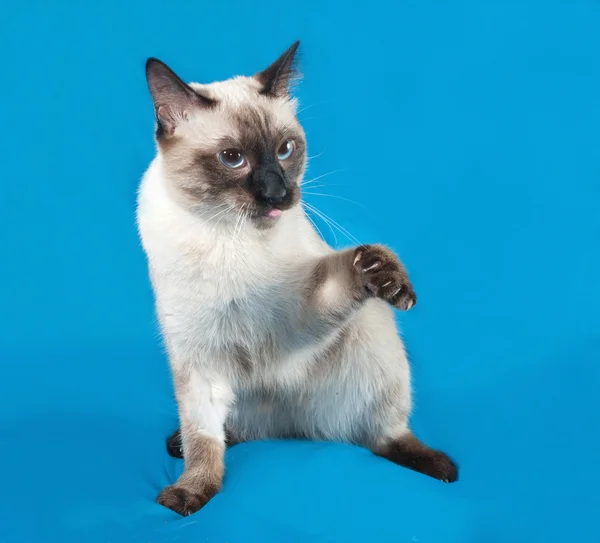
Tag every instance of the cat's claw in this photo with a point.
(384, 276)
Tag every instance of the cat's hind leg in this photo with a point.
(175, 445)
(409, 451)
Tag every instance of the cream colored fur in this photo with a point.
(258, 347)
(198, 268)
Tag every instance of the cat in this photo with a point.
(270, 332)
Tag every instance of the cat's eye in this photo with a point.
(232, 158)
(286, 150)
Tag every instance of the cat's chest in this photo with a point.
(217, 330)
(216, 304)
(227, 282)
(217, 291)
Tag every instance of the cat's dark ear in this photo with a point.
(173, 99)
(276, 79)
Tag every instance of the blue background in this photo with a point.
(467, 137)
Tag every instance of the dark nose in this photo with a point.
(272, 188)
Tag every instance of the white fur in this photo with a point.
(214, 289)
(207, 404)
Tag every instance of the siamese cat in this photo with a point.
(270, 332)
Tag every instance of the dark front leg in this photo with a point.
(344, 279)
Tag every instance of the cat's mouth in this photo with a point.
(273, 213)
(268, 213)
(267, 216)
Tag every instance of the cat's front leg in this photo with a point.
(175, 445)
(355, 275)
(203, 403)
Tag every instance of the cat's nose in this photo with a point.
(273, 189)
(275, 195)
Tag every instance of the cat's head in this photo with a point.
(235, 145)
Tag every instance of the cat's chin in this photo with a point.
(268, 218)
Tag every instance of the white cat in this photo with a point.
(270, 332)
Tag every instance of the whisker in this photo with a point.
(338, 226)
(239, 218)
(211, 210)
(222, 217)
(309, 118)
(320, 177)
(333, 196)
(245, 219)
(238, 229)
(312, 105)
(314, 224)
(315, 156)
(344, 231)
(222, 214)
(215, 215)
(324, 219)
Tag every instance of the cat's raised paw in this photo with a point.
(384, 276)
(183, 500)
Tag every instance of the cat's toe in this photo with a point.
(182, 500)
(440, 466)
(384, 276)
(412, 453)
(404, 297)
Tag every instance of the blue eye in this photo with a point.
(286, 150)
(232, 158)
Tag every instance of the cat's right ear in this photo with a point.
(173, 99)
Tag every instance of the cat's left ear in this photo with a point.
(276, 79)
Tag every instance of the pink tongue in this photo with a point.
(274, 212)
